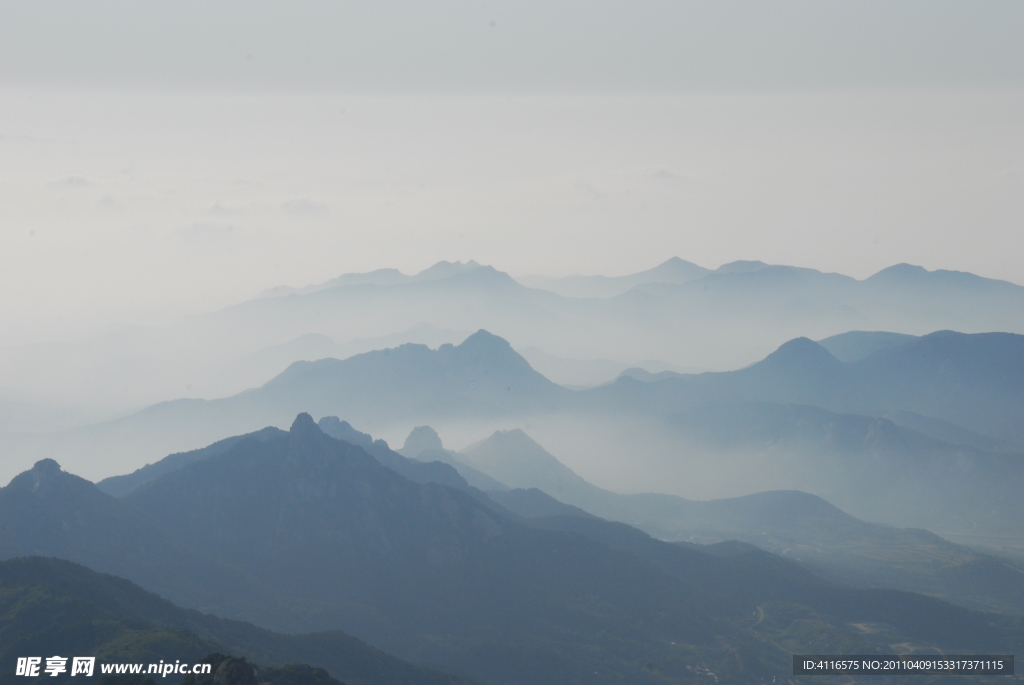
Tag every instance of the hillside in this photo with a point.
(424, 444)
(675, 270)
(791, 523)
(856, 345)
(50, 606)
(480, 378)
(726, 319)
(975, 381)
(866, 465)
(948, 385)
(483, 376)
(310, 533)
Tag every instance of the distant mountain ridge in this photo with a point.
(973, 380)
(672, 271)
(481, 376)
(380, 277)
(675, 270)
(855, 345)
(966, 388)
(434, 471)
(424, 444)
(791, 523)
(720, 320)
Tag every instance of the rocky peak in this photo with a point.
(422, 439)
(343, 430)
(43, 473)
(304, 425)
(800, 354)
(484, 340)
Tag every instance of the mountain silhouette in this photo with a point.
(975, 381)
(434, 471)
(51, 606)
(855, 345)
(312, 533)
(791, 522)
(378, 277)
(725, 319)
(517, 461)
(674, 270)
(483, 376)
(964, 391)
(424, 444)
(121, 485)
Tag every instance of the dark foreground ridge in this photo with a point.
(51, 606)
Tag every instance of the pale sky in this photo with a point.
(158, 158)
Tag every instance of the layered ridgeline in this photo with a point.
(793, 524)
(923, 433)
(946, 384)
(918, 432)
(51, 606)
(869, 466)
(678, 313)
(424, 444)
(972, 381)
(675, 271)
(303, 532)
(482, 378)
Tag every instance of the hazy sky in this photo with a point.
(164, 157)
(531, 45)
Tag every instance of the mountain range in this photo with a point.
(302, 532)
(974, 381)
(673, 271)
(741, 310)
(921, 432)
(51, 606)
(793, 524)
(481, 378)
(685, 316)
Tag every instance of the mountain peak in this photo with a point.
(42, 472)
(900, 271)
(800, 354)
(488, 349)
(422, 439)
(483, 277)
(855, 345)
(514, 434)
(674, 270)
(740, 266)
(482, 375)
(304, 425)
(515, 439)
(46, 466)
(343, 430)
(484, 340)
(46, 476)
(517, 460)
(445, 269)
